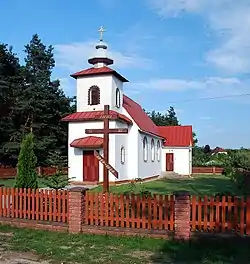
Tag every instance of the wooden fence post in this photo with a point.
(76, 208)
(214, 170)
(248, 216)
(182, 215)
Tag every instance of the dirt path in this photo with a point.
(9, 257)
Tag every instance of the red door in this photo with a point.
(169, 161)
(90, 166)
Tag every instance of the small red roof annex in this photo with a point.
(99, 71)
(177, 136)
(87, 142)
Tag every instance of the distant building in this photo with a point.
(218, 150)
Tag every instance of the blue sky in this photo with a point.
(174, 52)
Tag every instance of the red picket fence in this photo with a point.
(33, 204)
(133, 211)
(211, 170)
(220, 215)
(8, 173)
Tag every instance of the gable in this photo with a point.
(139, 116)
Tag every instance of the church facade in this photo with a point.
(136, 154)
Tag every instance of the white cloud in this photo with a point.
(228, 19)
(74, 57)
(207, 88)
(182, 84)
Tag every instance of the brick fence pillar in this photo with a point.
(182, 215)
(76, 208)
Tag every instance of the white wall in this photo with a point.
(182, 159)
(107, 85)
(121, 140)
(75, 158)
(148, 168)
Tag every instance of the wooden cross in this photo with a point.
(106, 131)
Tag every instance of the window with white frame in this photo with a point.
(152, 150)
(158, 150)
(145, 149)
(122, 155)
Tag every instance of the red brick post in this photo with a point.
(182, 215)
(76, 209)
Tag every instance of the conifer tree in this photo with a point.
(26, 167)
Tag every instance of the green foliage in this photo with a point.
(167, 119)
(237, 168)
(26, 168)
(57, 181)
(30, 98)
(200, 158)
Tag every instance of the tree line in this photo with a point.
(31, 101)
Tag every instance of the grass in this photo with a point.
(11, 182)
(199, 185)
(65, 248)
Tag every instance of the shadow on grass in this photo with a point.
(205, 250)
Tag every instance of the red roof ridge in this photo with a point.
(98, 71)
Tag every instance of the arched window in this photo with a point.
(94, 95)
(158, 150)
(122, 155)
(152, 150)
(117, 98)
(145, 149)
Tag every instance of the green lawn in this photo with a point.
(11, 182)
(87, 249)
(199, 185)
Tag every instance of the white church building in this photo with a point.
(145, 151)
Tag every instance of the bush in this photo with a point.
(26, 167)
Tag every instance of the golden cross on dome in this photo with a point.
(101, 31)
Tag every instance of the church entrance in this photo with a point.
(90, 166)
(169, 161)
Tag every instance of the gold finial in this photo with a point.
(101, 31)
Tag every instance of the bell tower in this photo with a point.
(99, 85)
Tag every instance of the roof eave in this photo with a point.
(95, 119)
(151, 134)
(116, 74)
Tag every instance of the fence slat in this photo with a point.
(223, 213)
(242, 215)
(29, 204)
(122, 209)
(248, 216)
(160, 212)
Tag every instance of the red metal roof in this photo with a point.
(99, 71)
(177, 136)
(218, 149)
(95, 115)
(139, 116)
(87, 142)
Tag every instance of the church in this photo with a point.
(145, 151)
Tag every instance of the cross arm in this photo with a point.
(108, 131)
